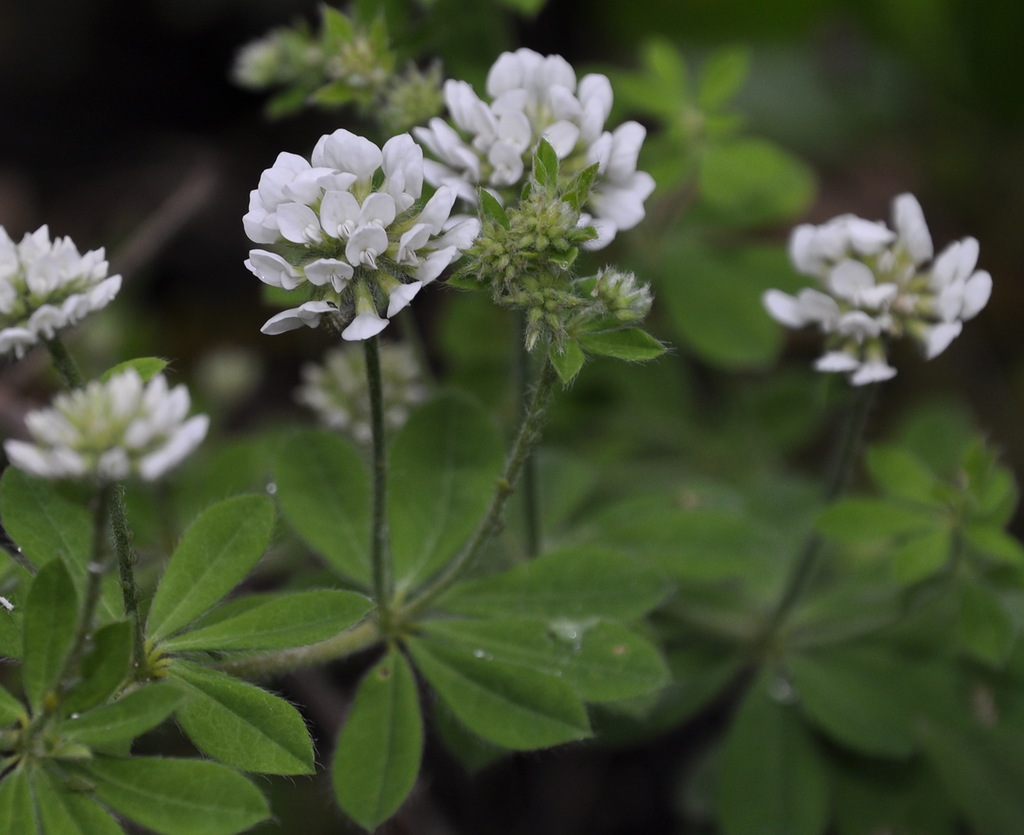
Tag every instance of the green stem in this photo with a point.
(531, 492)
(364, 635)
(840, 470)
(380, 559)
(65, 364)
(526, 439)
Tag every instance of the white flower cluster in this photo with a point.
(878, 284)
(360, 245)
(46, 286)
(534, 97)
(337, 390)
(110, 430)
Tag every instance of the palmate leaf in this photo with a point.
(629, 344)
(51, 619)
(508, 704)
(274, 621)
(125, 719)
(443, 467)
(324, 491)
(568, 362)
(216, 553)
(177, 797)
(104, 669)
(241, 724)
(381, 744)
(64, 812)
(16, 813)
(10, 708)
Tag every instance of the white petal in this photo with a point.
(849, 279)
(783, 308)
(328, 270)
(299, 223)
(347, 152)
(872, 371)
(272, 269)
(339, 214)
(365, 244)
(837, 361)
(938, 338)
(913, 231)
(400, 297)
(562, 137)
(976, 294)
(364, 326)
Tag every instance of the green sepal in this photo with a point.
(492, 210)
(216, 553)
(577, 191)
(128, 717)
(567, 362)
(176, 796)
(65, 811)
(772, 778)
(574, 583)
(146, 367)
(600, 660)
(324, 492)
(274, 621)
(443, 466)
(240, 724)
(508, 704)
(105, 668)
(381, 744)
(545, 165)
(16, 813)
(629, 344)
(51, 621)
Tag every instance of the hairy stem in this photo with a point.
(531, 493)
(380, 558)
(526, 439)
(844, 457)
(64, 363)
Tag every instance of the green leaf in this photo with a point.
(492, 210)
(125, 719)
(860, 519)
(179, 797)
(11, 710)
(545, 164)
(567, 362)
(862, 697)
(324, 491)
(443, 467)
(274, 621)
(16, 815)
(104, 669)
(42, 522)
(986, 629)
(714, 299)
(11, 644)
(336, 94)
(51, 620)
(994, 543)
(526, 7)
(575, 583)
(66, 812)
(381, 744)
(146, 367)
(630, 344)
(577, 191)
(753, 182)
(337, 25)
(921, 556)
(721, 77)
(901, 474)
(241, 724)
(601, 661)
(508, 704)
(216, 553)
(772, 779)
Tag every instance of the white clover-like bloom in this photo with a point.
(337, 390)
(110, 430)
(361, 248)
(46, 286)
(534, 97)
(878, 284)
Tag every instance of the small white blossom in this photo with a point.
(878, 284)
(363, 247)
(110, 430)
(337, 390)
(46, 286)
(536, 97)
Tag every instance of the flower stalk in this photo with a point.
(380, 558)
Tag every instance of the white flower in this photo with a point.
(360, 247)
(110, 430)
(878, 286)
(336, 390)
(46, 286)
(536, 97)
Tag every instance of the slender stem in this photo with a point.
(839, 474)
(531, 492)
(526, 439)
(127, 559)
(380, 558)
(64, 363)
(364, 635)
